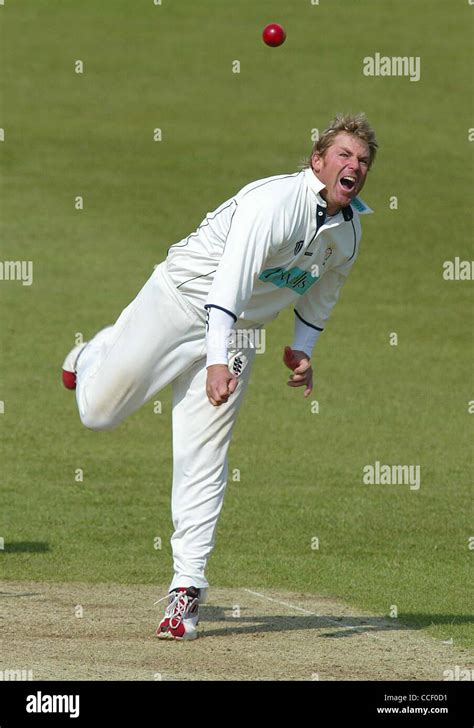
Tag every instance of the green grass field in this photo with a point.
(67, 134)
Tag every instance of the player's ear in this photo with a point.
(316, 161)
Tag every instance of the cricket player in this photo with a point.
(286, 240)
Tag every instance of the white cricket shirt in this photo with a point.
(268, 247)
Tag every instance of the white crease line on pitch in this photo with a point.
(314, 614)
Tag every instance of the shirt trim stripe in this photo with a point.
(203, 224)
(213, 305)
(203, 275)
(355, 240)
(305, 322)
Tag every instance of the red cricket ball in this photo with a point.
(273, 35)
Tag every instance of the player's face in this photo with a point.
(343, 170)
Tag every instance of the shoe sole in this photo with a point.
(171, 638)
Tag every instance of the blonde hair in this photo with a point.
(355, 124)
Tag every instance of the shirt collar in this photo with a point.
(316, 186)
(313, 182)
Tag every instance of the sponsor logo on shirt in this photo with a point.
(295, 278)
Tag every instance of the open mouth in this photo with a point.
(348, 182)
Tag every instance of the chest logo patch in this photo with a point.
(295, 278)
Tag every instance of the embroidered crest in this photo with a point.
(327, 254)
(298, 246)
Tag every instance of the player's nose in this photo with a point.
(354, 166)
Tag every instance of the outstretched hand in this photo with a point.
(300, 363)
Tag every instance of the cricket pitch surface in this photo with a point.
(106, 632)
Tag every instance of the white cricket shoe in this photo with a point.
(181, 615)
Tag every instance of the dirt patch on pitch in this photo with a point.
(106, 632)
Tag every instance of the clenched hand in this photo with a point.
(220, 384)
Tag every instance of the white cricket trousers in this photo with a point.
(157, 340)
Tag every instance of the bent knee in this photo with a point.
(103, 404)
(97, 420)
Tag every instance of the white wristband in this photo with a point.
(220, 326)
(304, 337)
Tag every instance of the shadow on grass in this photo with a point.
(335, 627)
(26, 547)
